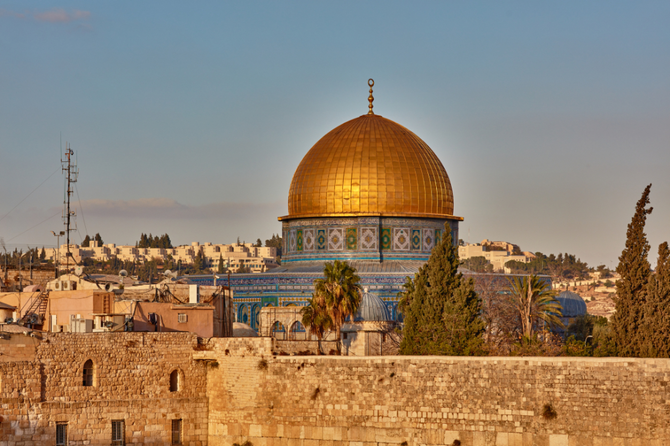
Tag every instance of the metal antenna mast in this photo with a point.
(72, 172)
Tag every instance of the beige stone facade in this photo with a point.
(234, 390)
(257, 259)
(497, 253)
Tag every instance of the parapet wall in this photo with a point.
(131, 382)
(377, 401)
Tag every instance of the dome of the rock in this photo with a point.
(370, 166)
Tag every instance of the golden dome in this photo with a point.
(370, 166)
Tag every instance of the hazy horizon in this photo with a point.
(190, 119)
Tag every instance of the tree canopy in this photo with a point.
(442, 315)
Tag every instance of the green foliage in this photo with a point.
(442, 308)
(478, 264)
(259, 243)
(548, 345)
(563, 266)
(86, 242)
(43, 255)
(149, 241)
(315, 317)
(275, 242)
(340, 293)
(574, 347)
(603, 341)
(533, 301)
(656, 327)
(582, 327)
(634, 271)
(220, 269)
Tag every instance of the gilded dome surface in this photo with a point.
(370, 166)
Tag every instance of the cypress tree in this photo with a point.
(631, 288)
(657, 308)
(443, 309)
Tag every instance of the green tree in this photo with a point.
(657, 308)
(341, 293)
(98, 239)
(634, 271)
(442, 308)
(315, 317)
(259, 243)
(43, 255)
(220, 269)
(533, 302)
(478, 264)
(86, 242)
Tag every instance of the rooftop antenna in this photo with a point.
(71, 173)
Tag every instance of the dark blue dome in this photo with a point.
(572, 303)
(372, 308)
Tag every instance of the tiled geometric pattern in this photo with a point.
(285, 241)
(428, 239)
(386, 238)
(401, 240)
(321, 242)
(335, 239)
(292, 241)
(416, 239)
(438, 236)
(352, 240)
(299, 239)
(369, 239)
(309, 240)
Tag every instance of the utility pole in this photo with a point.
(58, 235)
(72, 172)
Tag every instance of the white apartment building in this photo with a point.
(257, 259)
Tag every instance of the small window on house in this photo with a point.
(174, 381)
(176, 431)
(88, 373)
(61, 434)
(182, 318)
(118, 431)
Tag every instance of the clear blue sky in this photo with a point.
(191, 117)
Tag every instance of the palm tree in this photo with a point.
(316, 318)
(533, 301)
(340, 292)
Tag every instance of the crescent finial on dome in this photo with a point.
(371, 83)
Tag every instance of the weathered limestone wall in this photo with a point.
(131, 383)
(313, 401)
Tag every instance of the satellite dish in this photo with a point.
(167, 272)
(79, 270)
(123, 273)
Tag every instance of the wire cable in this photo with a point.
(33, 227)
(30, 194)
(81, 209)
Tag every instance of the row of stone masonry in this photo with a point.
(166, 388)
(143, 388)
(279, 400)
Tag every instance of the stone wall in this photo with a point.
(131, 383)
(322, 400)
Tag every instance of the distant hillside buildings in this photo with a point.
(497, 253)
(257, 259)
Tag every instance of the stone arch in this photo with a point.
(297, 331)
(255, 311)
(88, 373)
(278, 331)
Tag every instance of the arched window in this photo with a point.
(174, 381)
(88, 373)
(297, 331)
(278, 330)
